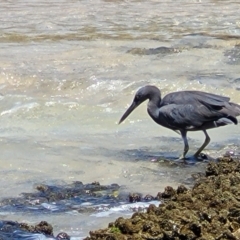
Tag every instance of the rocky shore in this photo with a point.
(210, 210)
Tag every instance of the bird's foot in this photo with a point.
(181, 159)
(193, 159)
(184, 161)
(197, 157)
(202, 157)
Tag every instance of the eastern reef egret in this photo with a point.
(186, 111)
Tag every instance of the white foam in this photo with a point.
(15, 109)
(126, 208)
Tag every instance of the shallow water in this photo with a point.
(68, 71)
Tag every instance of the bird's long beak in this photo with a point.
(129, 110)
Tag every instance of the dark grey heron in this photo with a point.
(186, 111)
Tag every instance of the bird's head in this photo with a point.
(142, 95)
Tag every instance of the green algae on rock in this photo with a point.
(208, 211)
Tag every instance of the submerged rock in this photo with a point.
(208, 211)
(76, 196)
(233, 55)
(153, 51)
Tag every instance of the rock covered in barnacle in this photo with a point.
(210, 210)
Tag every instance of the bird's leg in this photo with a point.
(186, 146)
(206, 142)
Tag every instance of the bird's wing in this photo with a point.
(196, 97)
(189, 116)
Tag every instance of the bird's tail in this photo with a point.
(235, 108)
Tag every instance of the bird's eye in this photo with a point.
(137, 97)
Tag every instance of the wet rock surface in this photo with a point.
(13, 230)
(209, 210)
(63, 198)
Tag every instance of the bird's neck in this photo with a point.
(154, 106)
(155, 101)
